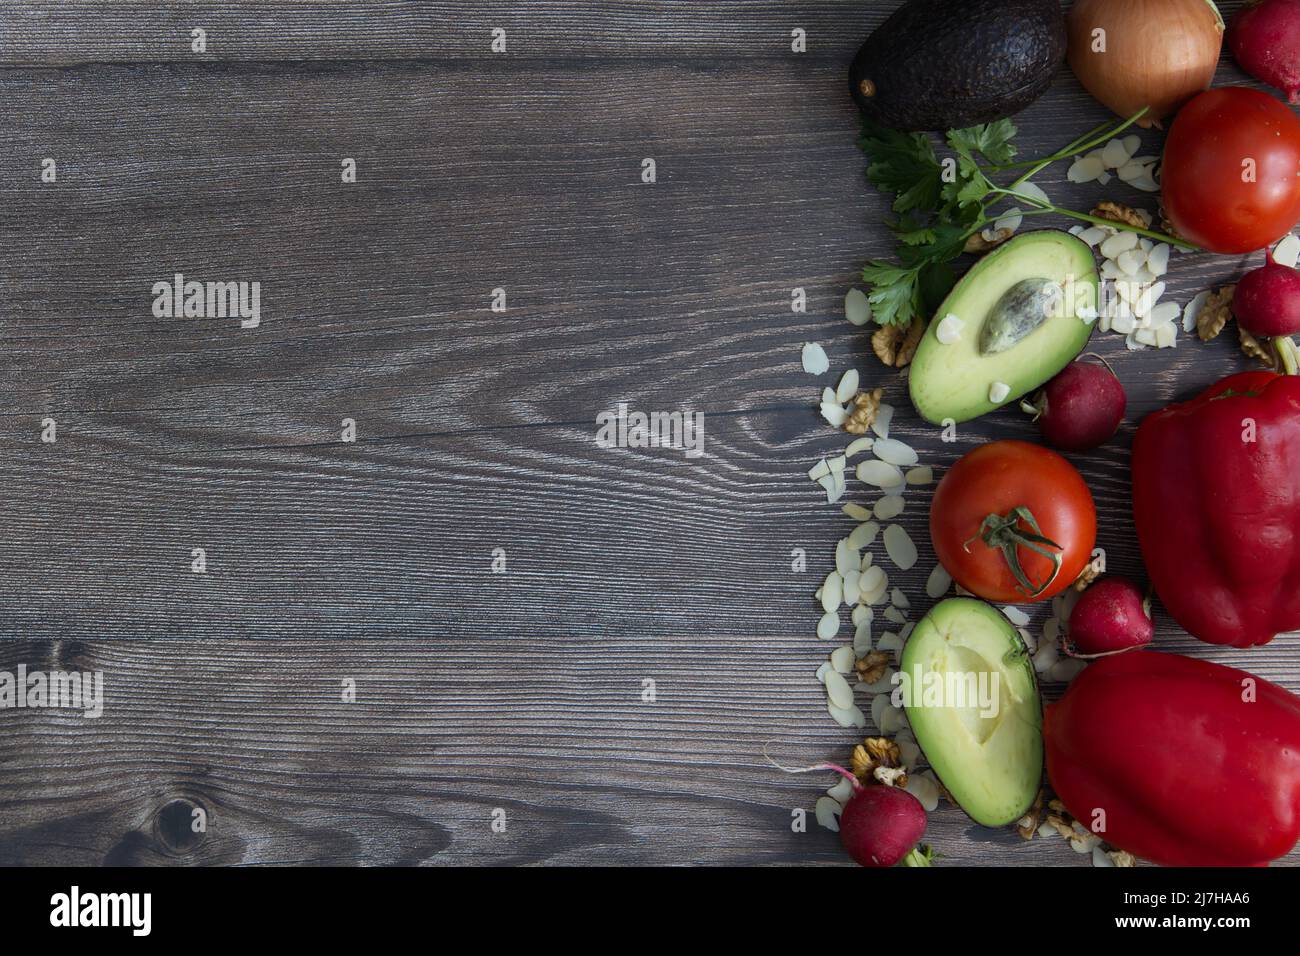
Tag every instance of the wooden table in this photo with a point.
(370, 563)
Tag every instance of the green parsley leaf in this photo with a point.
(967, 188)
(895, 294)
(903, 164)
(990, 140)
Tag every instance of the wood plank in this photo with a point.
(102, 31)
(667, 294)
(255, 733)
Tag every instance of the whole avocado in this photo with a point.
(948, 64)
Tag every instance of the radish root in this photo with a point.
(833, 767)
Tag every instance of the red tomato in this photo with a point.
(983, 516)
(1230, 180)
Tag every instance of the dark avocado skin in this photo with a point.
(947, 64)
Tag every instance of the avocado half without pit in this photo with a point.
(1020, 315)
(972, 701)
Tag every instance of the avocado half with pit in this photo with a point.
(1020, 315)
(972, 700)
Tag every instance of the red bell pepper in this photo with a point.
(1216, 499)
(1181, 761)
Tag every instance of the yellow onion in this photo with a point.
(1153, 53)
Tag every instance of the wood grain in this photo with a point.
(371, 560)
(79, 31)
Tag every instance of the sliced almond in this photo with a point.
(937, 584)
(838, 690)
(863, 535)
(899, 547)
(828, 626)
(889, 506)
(894, 451)
(814, 359)
(857, 307)
(879, 473)
(832, 592)
(827, 813)
(921, 475)
(858, 446)
(848, 386)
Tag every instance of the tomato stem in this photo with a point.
(1005, 533)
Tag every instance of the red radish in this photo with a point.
(1110, 617)
(1081, 407)
(1265, 41)
(880, 825)
(1267, 300)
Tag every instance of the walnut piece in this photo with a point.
(865, 406)
(1121, 857)
(1118, 212)
(872, 754)
(907, 351)
(862, 763)
(884, 751)
(1027, 825)
(1060, 826)
(978, 242)
(872, 667)
(895, 345)
(1089, 574)
(891, 776)
(1253, 348)
(1216, 312)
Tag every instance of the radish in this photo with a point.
(1081, 407)
(1110, 617)
(1267, 300)
(1265, 41)
(880, 825)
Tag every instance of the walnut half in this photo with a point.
(1216, 312)
(895, 345)
(865, 407)
(1118, 212)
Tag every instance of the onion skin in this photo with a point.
(1159, 53)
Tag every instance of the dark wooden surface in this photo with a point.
(371, 561)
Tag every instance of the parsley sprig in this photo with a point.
(938, 205)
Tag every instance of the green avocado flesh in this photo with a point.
(973, 704)
(1019, 308)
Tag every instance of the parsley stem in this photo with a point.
(1096, 136)
(1041, 207)
(1061, 154)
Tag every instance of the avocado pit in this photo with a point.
(1022, 310)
